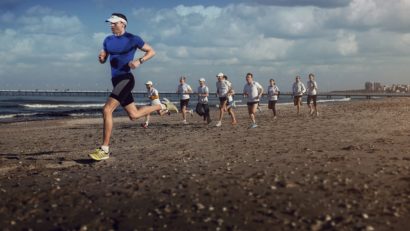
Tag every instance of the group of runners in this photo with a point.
(120, 48)
(252, 90)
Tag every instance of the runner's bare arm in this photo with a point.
(102, 56)
(260, 92)
(149, 53)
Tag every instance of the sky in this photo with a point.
(49, 44)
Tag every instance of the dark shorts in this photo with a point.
(123, 86)
(252, 103)
(311, 98)
(202, 109)
(296, 99)
(222, 100)
(272, 104)
(183, 103)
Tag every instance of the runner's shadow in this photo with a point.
(17, 156)
(85, 161)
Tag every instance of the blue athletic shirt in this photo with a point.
(122, 50)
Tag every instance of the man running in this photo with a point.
(273, 93)
(298, 89)
(222, 88)
(153, 96)
(202, 107)
(230, 102)
(120, 48)
(253, 90)
(312, 94)
(184, 90)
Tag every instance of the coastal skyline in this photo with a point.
(54, 45)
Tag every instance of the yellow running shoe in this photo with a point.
(99, 154)
(170, 106)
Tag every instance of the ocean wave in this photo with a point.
(333, 100)
(47, 106)
(10, 116)
(319, 101)
(82, 114)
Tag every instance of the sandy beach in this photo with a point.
(348, 169)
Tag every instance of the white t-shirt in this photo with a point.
(272, 92)
(153, 95)
(252, 91)
(222, 87)
(298, 88)
(312, 87)
(203, 90)
(184, 88)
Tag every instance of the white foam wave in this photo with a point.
(334, 100)
(63, 105)
(16, 115)
(81, 114)
(7, 116)
(322, 101)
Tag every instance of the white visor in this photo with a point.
(115, 19)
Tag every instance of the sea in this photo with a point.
(28, 108)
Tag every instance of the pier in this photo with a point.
(65, 93)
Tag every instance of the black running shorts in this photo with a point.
(311, 98)
(183, 103)
(123, 86)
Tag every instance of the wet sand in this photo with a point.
(348, 169)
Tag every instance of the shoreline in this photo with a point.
(33, 116)
(346, 169)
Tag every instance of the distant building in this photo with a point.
(394, 88)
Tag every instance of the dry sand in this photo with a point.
(348, 169)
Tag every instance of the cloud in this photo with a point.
(346, 43)
(207, 13)
(40, 19)
(10, 4)
(7, 17)
(317, 3)
(48, 46)
(338, 40)
(267, 49)
(371, 14)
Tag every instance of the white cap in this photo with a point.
(201, 80)
(220, 74)
(115, 19)
(148, 83)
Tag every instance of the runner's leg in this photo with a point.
(232, 115)
(108, 109)
(134, 113)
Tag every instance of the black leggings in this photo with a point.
(203, 107)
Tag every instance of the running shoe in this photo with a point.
(253, 126)
(99, 154)
(218, 124)
(170, 106)
(144, 125)
(184, 122)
